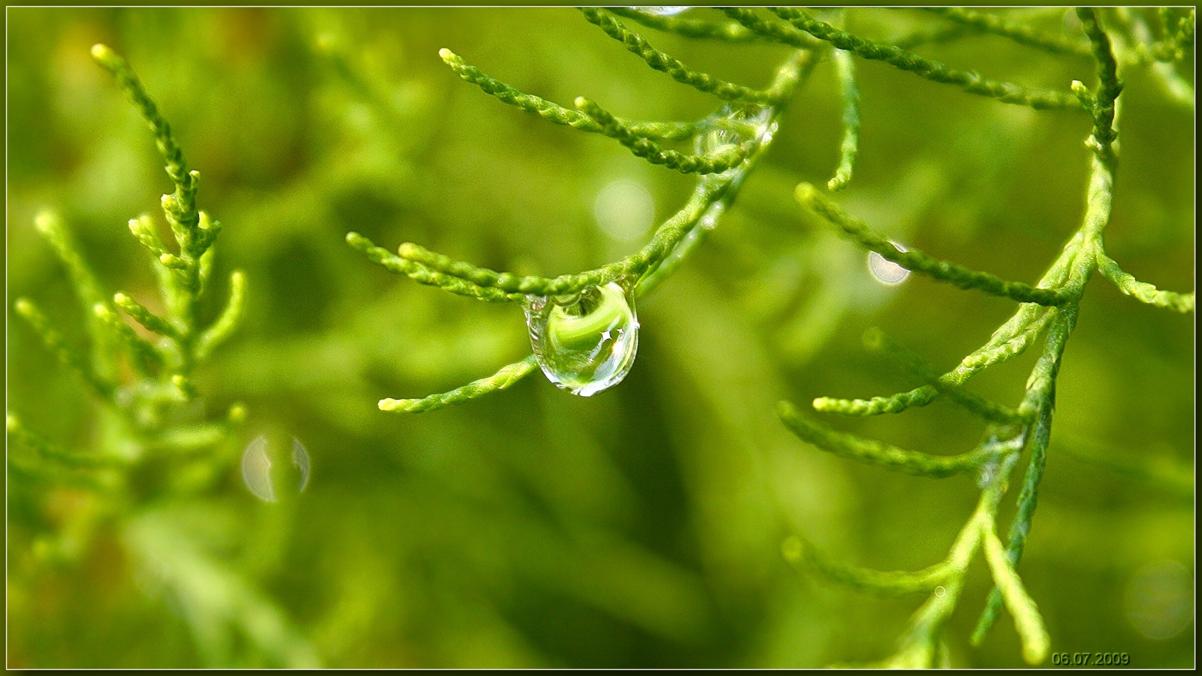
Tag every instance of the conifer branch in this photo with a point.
(770, 29)
(149, 320)
(1010, 432)
(161, 369)
(876, 340)
(654, 153)
(926, 68)
(553, 112)
(68, 356)
(20, 435)
(849, 147)
(670, 65)
(502, 379)
(878, 453)
(1017, 31)
(183, 200)
(804, 556)
(146, 357)
(687, 27)
(647, 266)
(1027, 619)
(229, 319)
(917, 261)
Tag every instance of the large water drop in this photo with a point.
(584, 343)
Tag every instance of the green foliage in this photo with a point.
(643, 528)
(165, 366)
(703, 82)
(1049, 308)
(722, 171)
(152, 415)
(850, 145)
(917, 261)
(1022, 33)
(1061, 287)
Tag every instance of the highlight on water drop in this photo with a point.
(275, 468)
(886, 271)
(662, 10)
(585, 343)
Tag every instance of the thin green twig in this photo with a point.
(930, 69)
(670, 65)
(917, 261)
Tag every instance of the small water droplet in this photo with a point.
(586, 343)
(273, 471)
(661, 11)
(886, 271)
(940, 591)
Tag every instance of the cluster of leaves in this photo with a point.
(152, 394)
(1047, 309)
(158, 441)
(142, 372)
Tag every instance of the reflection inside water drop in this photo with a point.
(272, 470)
(585, 343)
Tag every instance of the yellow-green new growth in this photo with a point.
(1046, 313)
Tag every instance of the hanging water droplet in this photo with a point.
(274, 471)
(886, 271)
(585, 343)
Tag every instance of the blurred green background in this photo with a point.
(640, 527)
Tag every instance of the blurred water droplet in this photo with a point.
(886, 271)
(1159, 599)
(273, 471)
(587, 343)
(709, 220)
(662, 11)
(624, 209)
